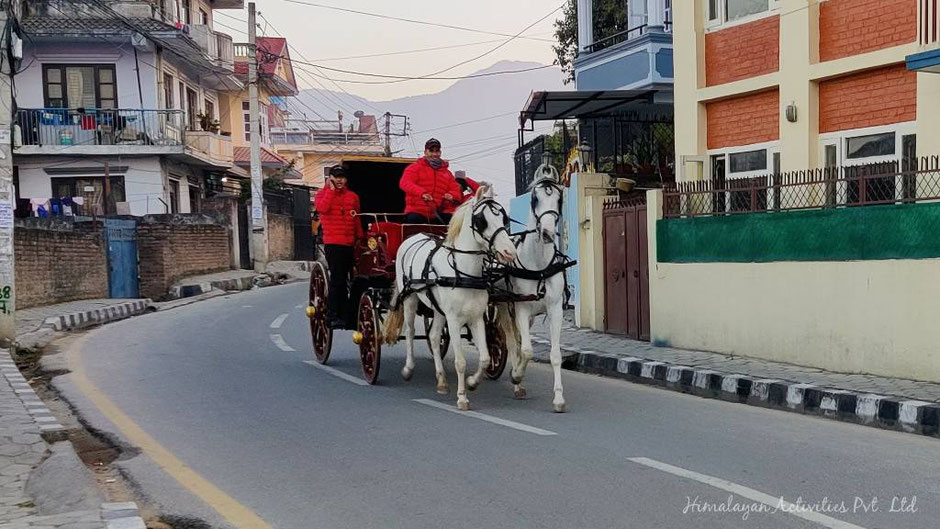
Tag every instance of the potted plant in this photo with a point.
(208, 124)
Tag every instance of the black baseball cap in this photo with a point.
(432, 143)
(338, 170)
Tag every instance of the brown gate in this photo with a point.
(626, 270)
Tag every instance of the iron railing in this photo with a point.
(279, 202)
(910, 181)
(616, 38)
(85, 126)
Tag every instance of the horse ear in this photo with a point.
(481, 191)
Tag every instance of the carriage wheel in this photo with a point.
(496, 343)
(320, 329)
(370, 345)
(445, 336)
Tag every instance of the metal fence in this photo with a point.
(86, 126)
(279, 202)
(832, 187)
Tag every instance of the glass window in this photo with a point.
(174, 196)
(748, 161)
(712, 9)
(870, 145)
(168, 92)
(80, 86)
(735, 9)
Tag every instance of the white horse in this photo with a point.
(537, 274)
(447, 277)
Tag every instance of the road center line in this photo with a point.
(483, 417)
(337, 373)
(276, 324)
(749, 493)
(281, 344)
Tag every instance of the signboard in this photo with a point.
(257, 212)
(6, 215)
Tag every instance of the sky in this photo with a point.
(327, 37)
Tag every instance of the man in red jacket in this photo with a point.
(429, 187)
(338, 208)
(468, 187)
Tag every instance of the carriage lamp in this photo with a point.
(311, 311)
(357, 337)
(373, 243)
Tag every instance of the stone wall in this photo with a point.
(58, 261)
(280, 237)
(172, 247)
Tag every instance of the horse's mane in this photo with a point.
(456, 222)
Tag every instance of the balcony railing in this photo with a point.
(243, 50)
(83, 126)
(928, 28)
(210, 146)
(294, 137)
(218, 46)
(616, 38)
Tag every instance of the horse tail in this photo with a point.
(507, 324)
(391, 328)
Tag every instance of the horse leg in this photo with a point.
(460, 363)
(523, 322)
(410, 306)
(508, 325)
(436, 331)
(478, 330)
(555, 321)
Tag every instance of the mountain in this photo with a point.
(482, 148)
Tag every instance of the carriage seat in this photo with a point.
(395, 233)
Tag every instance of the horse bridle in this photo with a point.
(478, 221)
(550, 187)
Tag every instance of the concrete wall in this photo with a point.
(280, 237)
(172, 247)
(57, 262)
(872, 316)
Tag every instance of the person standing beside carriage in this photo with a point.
(338, 208)
(429, 187)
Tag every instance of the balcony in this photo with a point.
(928, 37)
(217, 46)
(638, 58)
(79, 131)
(210, 148)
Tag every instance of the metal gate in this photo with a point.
(244, 237)
(121, 237)
(303, 232)
(626, 270)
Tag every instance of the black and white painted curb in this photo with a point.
(880, 411)
(49, 426)
(88, 318)
(123, 515)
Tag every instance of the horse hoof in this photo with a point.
(559, 407)
(515, 381)
(463, 405)
(442, 389)
(519, 393)
(472, 384)
(406, 373)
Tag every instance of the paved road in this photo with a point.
(303, 448)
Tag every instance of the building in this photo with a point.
(317, 145)
(803, 226)
(129, 90)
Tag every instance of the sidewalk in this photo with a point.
(236, 280)
(891, 403)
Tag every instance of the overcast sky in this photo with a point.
(321, 34)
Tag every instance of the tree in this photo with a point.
(609, 18)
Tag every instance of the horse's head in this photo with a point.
(490, 224)
(546, 207)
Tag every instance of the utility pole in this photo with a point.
(7, 194)
(388, 130)
(258, 237)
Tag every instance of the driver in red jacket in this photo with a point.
(429, 187)
(338, 208)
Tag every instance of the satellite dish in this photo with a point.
(359, 114)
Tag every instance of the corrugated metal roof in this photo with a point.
(58, 25)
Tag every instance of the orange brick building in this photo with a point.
(838, 66)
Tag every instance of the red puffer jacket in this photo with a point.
(338, 211)
(450, 208)
(421, 178)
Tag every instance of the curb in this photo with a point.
(123, 515)
(196, 289)
(49, 427)
(88, 318)
(891, 413)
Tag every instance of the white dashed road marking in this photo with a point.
(281, 344)
(785, 507)
(483, 417)
(337, 373)
(276, 324)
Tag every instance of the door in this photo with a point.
(303, 231)
(121, 237)
(615, 273)
(626, 271)
(244, 254)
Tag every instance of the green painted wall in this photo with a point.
(910, 231)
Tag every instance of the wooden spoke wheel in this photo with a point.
(320, 330)
(496, 343)
(445, 336)
(370, 344)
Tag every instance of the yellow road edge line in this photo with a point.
(237, 514)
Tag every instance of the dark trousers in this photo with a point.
(340, 260)
(416, 218)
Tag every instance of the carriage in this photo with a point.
(375, 179)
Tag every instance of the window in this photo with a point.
(723, 11)
(174, 196)
(743, 162)
(246, 116)
(195, 199)
(92, 190)
(738, 173)
(203, 17)
(192, 108)
(263, 122)
(91, 86)
(636, 14)
(168, 102)
(187, 10)
(210, 109)
(870, 146)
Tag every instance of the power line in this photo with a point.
(466, 122)
(409, 78)
(408, 52)
(400, 19)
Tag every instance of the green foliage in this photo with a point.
(610, 18)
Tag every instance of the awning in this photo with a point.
(925, 61)
(552, 106)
